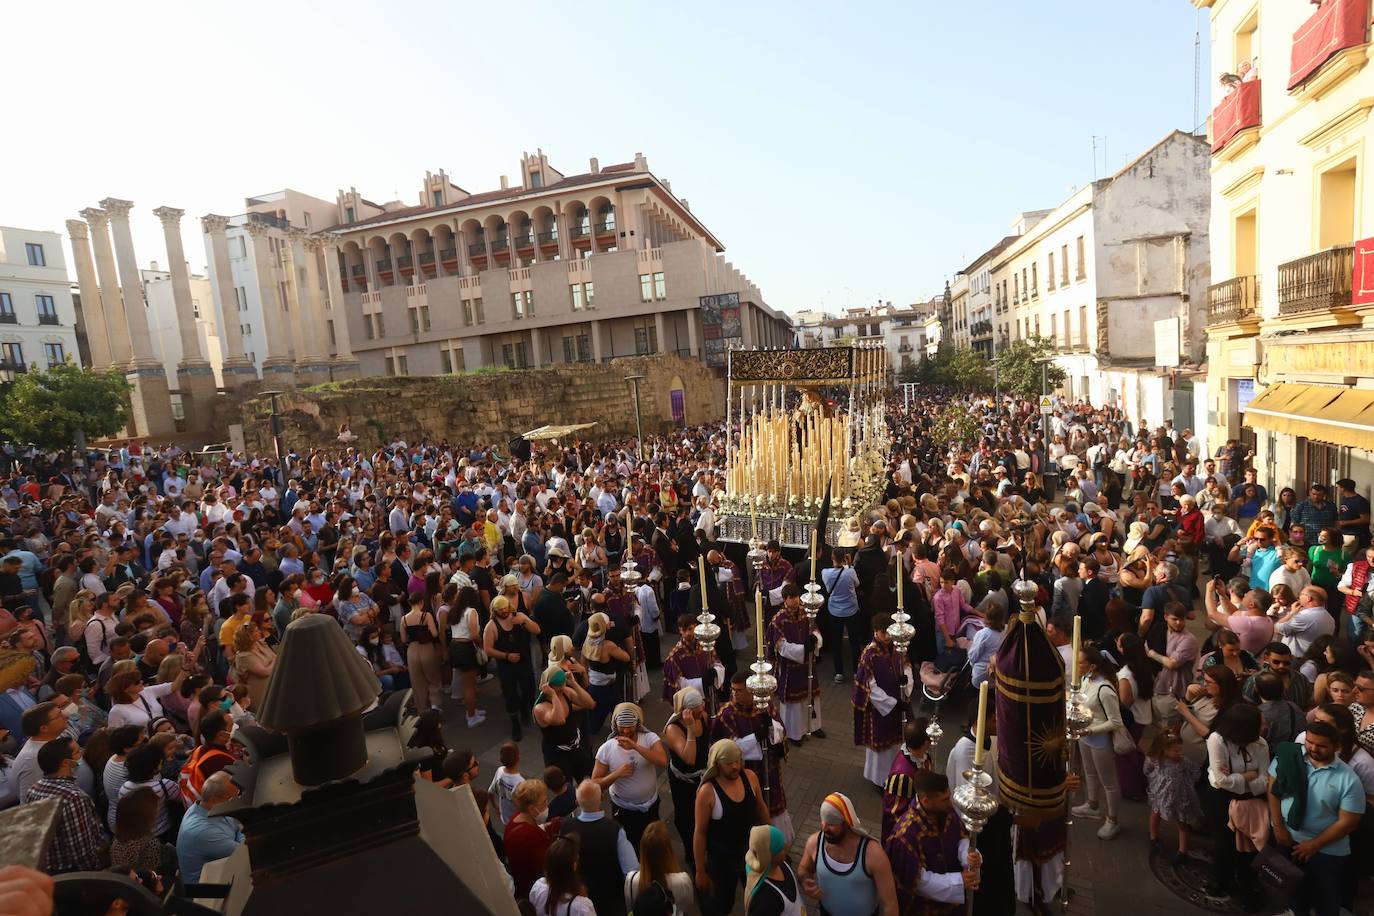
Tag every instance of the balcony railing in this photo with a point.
(903, 348)
(477, 248)
(448, 254)
(1318, 282)
(404, 262)
(384, 265)
(1237, 112)
(579, 232)
(8, 318)
(359, 270)
(1233, 300)
(549, 236)
(524, 241)
(426, 257)
(11, 366)
(1333, 27)
(500, 245)
(48, 319)
(603, 228)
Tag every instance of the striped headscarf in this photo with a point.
(626, 715)
(838, 809)
(765, 842)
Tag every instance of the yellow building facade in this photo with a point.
(1290, 352)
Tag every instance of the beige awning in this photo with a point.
(1341, 416)
(556, 432)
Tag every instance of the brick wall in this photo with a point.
(489, 407)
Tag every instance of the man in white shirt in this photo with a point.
(706, 518)
(1308, 621)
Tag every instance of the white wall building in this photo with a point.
(1096, 274)
(37, 317)
(807, 327)
(162, 320)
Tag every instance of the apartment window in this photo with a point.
(195, 307)
(1063, 265)
(660, 286)
(1082, 268)
(576, 289)
(1016, 288)
(1035, 279)
(1054, 327)
(467, 313)
(646, 288)
(348, 214)
(47, 311)
(305, 218)
(1068, 331)
(6, 308)
(1083, 325)
(54, 354)
(34, 252)
(515, 356)
(391, 365)
(245, 329)
(419, 319)
(281, 295)
(368, 331)
(522, 303)
(330, 325)
(241, 298)
(589, 294)
(1049, 271)
(536, 179)
(569, 349)
(646, 339)
(478, 311)
(453, 358)
(438, 198)
(1037, 325)
(12, 354)
(1338, 191)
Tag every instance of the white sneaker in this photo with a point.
(1109, 829)
(477, 719)
(1086, 810)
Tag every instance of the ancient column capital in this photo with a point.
(118, 209)
(170, 216)
(77, 229)
(286, 254)
(257, 230)
(314, 242)
(296, 234)
(211, 223)
(329, 239)
(98, 219)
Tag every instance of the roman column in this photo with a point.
(152, 396)
(238, 370)
(312, 365)
(116, 327)
(92, 309)
(345, 364)
(195, 375)
(312, 308)
(278, 371)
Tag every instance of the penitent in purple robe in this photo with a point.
(921, 843)
(733, 722)
(878, 666)
(792, 626)
(900, 789)
(683, 663)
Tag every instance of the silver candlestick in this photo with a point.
(630, 575)
(974, 802)
(901, 632)
(811, 603)
(763, 686)
(1078, 717)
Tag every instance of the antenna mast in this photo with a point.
(1197, 77)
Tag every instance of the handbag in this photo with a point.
(1122, 742)
(1277, 871)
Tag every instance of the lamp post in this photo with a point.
(274, 423)
(639, 424)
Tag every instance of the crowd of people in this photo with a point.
(1229, 642)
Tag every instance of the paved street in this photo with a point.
(1107, 878)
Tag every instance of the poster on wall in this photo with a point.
(721, 326)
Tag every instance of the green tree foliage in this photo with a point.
(1019, 367)
(956, 425)
(963, 369)
(46, 407)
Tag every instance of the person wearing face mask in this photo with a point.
(529, 834)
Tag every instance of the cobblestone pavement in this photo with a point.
(1107, 878)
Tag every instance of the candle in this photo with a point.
(901, 574)
(758, 618)
(982, 723)
(1077, 642)
(753, 513)
(813, 556)
(701, 568)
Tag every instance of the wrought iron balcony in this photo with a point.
(1318, 282)
(579, 232)
(903, 348)
(500, 245)
(1233, 300)
(477, 248)
(448, 254)
(384, 265)
(603, 228)
(426, 257)
(524, 241)
(404, 262)
(10, 366)
(48, 319)
(359, 270)
(549, 236)
(8, 318)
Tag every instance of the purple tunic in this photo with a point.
(682, 663)
(733, 722)
(793, 627)
(878, 665)
(921, 843)
(900, 789)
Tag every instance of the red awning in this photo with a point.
(1362, 290)
(1238, 111)
(1335, 26)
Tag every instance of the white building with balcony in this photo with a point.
(37, 317)
(163, 326)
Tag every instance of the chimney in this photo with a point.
(596, 166)
(505, 183)
(152, 265)
(316, 696)
(685, 205)
(641, 164)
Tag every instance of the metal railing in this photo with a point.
(524, 241)
(1231, 300)
(476, 248)
(426, 257)
(578, 232)
(8, 318)
(359, 270)
(1317, 282)
(9, 366)
(500, 245)
(383, 265)
(404, 261)
(48, 319)
(549, 236)
(604, 227)
(448, 254)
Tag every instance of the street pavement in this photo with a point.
(1107, 878)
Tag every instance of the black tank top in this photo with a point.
(508, 641)
(562, 738)
(419, 632)
(677, 765)
(729, 835)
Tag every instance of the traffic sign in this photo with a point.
(1046, 404)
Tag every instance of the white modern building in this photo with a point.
(808, 328)
(37, 317)
(162, 321)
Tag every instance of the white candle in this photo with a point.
(1077, 644)
(982, 723)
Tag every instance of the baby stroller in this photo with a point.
(950, 673)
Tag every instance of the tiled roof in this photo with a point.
(486, 197)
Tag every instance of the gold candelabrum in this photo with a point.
(801, 424)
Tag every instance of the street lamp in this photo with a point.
(639, 423)
(274, 424)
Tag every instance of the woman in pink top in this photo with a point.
(1246, 618)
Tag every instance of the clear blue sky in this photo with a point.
(842, 153)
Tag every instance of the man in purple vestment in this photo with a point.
(688, 665)
(931, 862)
(900, 788)
(751, 731)
(793, 639)
(880, 692)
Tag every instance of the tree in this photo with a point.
(1019, 367)
(956, 425)
(48, 407)
(968, 370)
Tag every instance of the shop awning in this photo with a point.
(1342, 416)
(556, 432)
